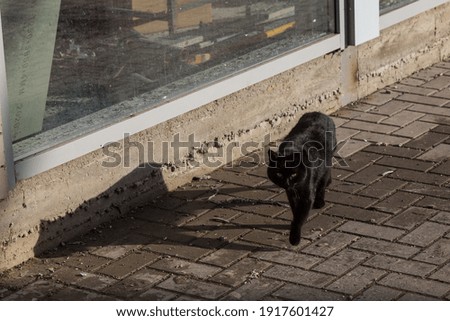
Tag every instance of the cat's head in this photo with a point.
(285, 167)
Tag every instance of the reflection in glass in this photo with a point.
(113, 58)
(389, 5)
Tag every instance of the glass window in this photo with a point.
(389, 5)
(74, 66)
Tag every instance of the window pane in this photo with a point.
(389, 5)
(74, 66)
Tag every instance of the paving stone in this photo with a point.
(4, 292)
(213, 218)
(168, 202)
(356, 280)
(403, 151)
(83, 279)
(342, 262)
(338, 121)
(359, 161)
(442, 217)
(431, 190)
(414, 284)
(27, 273)
(253, 221)
(357, 214)
(427, 141)
(153, 294)
(128, 264)
(228, 254)
(287, 258)
(398, 162)
(295, 292)
(396, 202)
(400, 265)
(349, 199)
(445, 93)
(37, 291)
(439, 153)
(271, 239)
(420, 177)
(443, 169)
(361, 116)
(443, 274)
(161, 216)
(434, 203)
(344, 134)
(346, 187)
(262, 209)
(121, 247)
(379, 293)
(371, 230)
(196, 207)
(237, 178)
(254, 290)
(410, 218)
(438, 83)
(73, 294)
(369, 174)
(416, 297)
(382, 139)
(319, 225)
(219, 237)
(86, 262)
(442, 129)
(425, 100)
(418, 90)
(252, 194)
(391, 108)
(436, 119)
(242, 271)
(349, 148)
(360, 106)
(382, 188)
(183, 267)
(136, 284)
(184, 285)
(299, 276)
(164, 232)
(438, 253)
(403, 118)
(330, 244)
(412, 81)
(430, 110)
(415, 129)
(179, 250)
(339, 173)
(383, 247)
(379, 98)
(370, 127)
(425, 234)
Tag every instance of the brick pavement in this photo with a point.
(383, 235)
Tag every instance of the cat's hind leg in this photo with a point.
(319, 200)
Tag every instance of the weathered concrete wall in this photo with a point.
(73, 198)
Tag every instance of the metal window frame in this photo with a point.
(403, 13)
(7, 151)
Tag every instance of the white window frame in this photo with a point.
(406, 12)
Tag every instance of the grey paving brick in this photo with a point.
(346, 187)
(183, 267)
(430, 110)
(356, 280)
(379, 98)
(434, 203)
(442, 217)
(360, 160)
(382, 139)
(83, 279)
(371, 127)
(418, 90)
(382, 188)
(383, 247)
(443, 274)
(229, 254)
(425, 234)
(404, 151)
(271, 239)
(436, 154)
(443, 169)
(287, 258)
(349, 199)
(237, 178)
(416, 297)
(369, 174)
(36, 291)
(415, 129)
(397, 162)
(379, 293)
(330, 244)
(342, 262)
(396, 202)
(400, 265)
(414, 284)
(86, 261)
(410, 218)
(298, 276)
(303, 293)
(391, 108)
(184, 285)
(436, 119)
(128, 264)
(403, 118)
(350, 147)
(254, 290)
(438, 253)
(244, 270)
(430, 190)
(371, 230)
(427, 141)
(344, 134)
(74, 294)
(358, 214)
(184, 251)
(438, 83)
(420, 177)
(319, 225)
(425, 100)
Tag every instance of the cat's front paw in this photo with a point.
(294, 238)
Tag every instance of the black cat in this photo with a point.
(302, 166)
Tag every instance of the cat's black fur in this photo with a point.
(302, 166)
